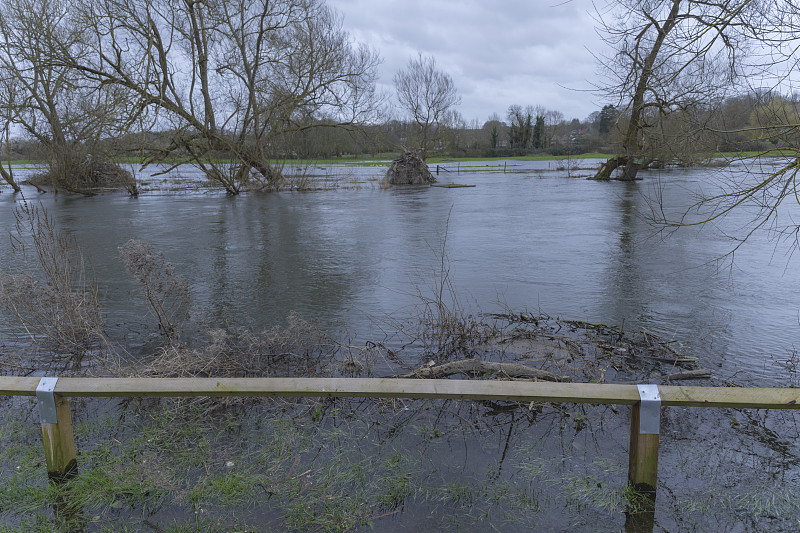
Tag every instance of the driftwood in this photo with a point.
(409, 169)
(678, 360)
(476, 366)
(700, 373)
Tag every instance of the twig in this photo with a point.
(16, 366)
(476, 366)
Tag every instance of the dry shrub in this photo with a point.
(73, 168)
(164, 289)
(298, 349)
(409, 169)
(446, 329)
(52, 297)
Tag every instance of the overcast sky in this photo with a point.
(522, 52)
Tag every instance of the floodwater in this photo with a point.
(531, 240)
(355, 258)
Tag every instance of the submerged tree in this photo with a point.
(54, 296)
(426, 94)
(51, 102)
(165, 291)
(669, 56)
(8, 113)
(228, 78)
(678, 59)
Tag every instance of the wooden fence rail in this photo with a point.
(646, 401)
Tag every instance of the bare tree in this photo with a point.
(51, 102)
(228, 78)
(684, 57)
(763, 182)
(426, 94)
(668, 56)
(453, 131)
(8, 113)
(553, 119)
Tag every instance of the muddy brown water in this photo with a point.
(355, 259)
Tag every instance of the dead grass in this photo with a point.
(163, 288)
(298, 349)
(446, 328)
(54, 297)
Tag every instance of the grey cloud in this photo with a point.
(498, 53)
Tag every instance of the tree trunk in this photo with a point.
(631, 143)
(7, 174)
(9, 179)
(630, 171)
(478, 367)
(607, 168)
(273, 176)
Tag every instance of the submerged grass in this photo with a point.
(344, 466)
(349, 465)
(168, 468)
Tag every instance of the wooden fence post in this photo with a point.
(645, 422)
(59, 443)
(57, 436)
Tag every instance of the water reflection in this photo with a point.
(626, 286)
(570, 247)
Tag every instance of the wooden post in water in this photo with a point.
(59, 443)
(643, 452)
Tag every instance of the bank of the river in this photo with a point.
(318, 466)
(358, 264)
(394, 465)
(387, 157)
(365, 465)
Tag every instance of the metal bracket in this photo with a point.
(649, 410)
(47, 400)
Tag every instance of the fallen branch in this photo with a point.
(476, 366)
(700, 373)
(16, 366)
(689, 361)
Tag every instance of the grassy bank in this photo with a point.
(316, 466)
(538, 157)
(360, 465)
(383, 158)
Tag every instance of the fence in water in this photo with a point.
(646, 402)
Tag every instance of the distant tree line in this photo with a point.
(226, 84)
(230, 86)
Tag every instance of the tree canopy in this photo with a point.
(426, 94)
